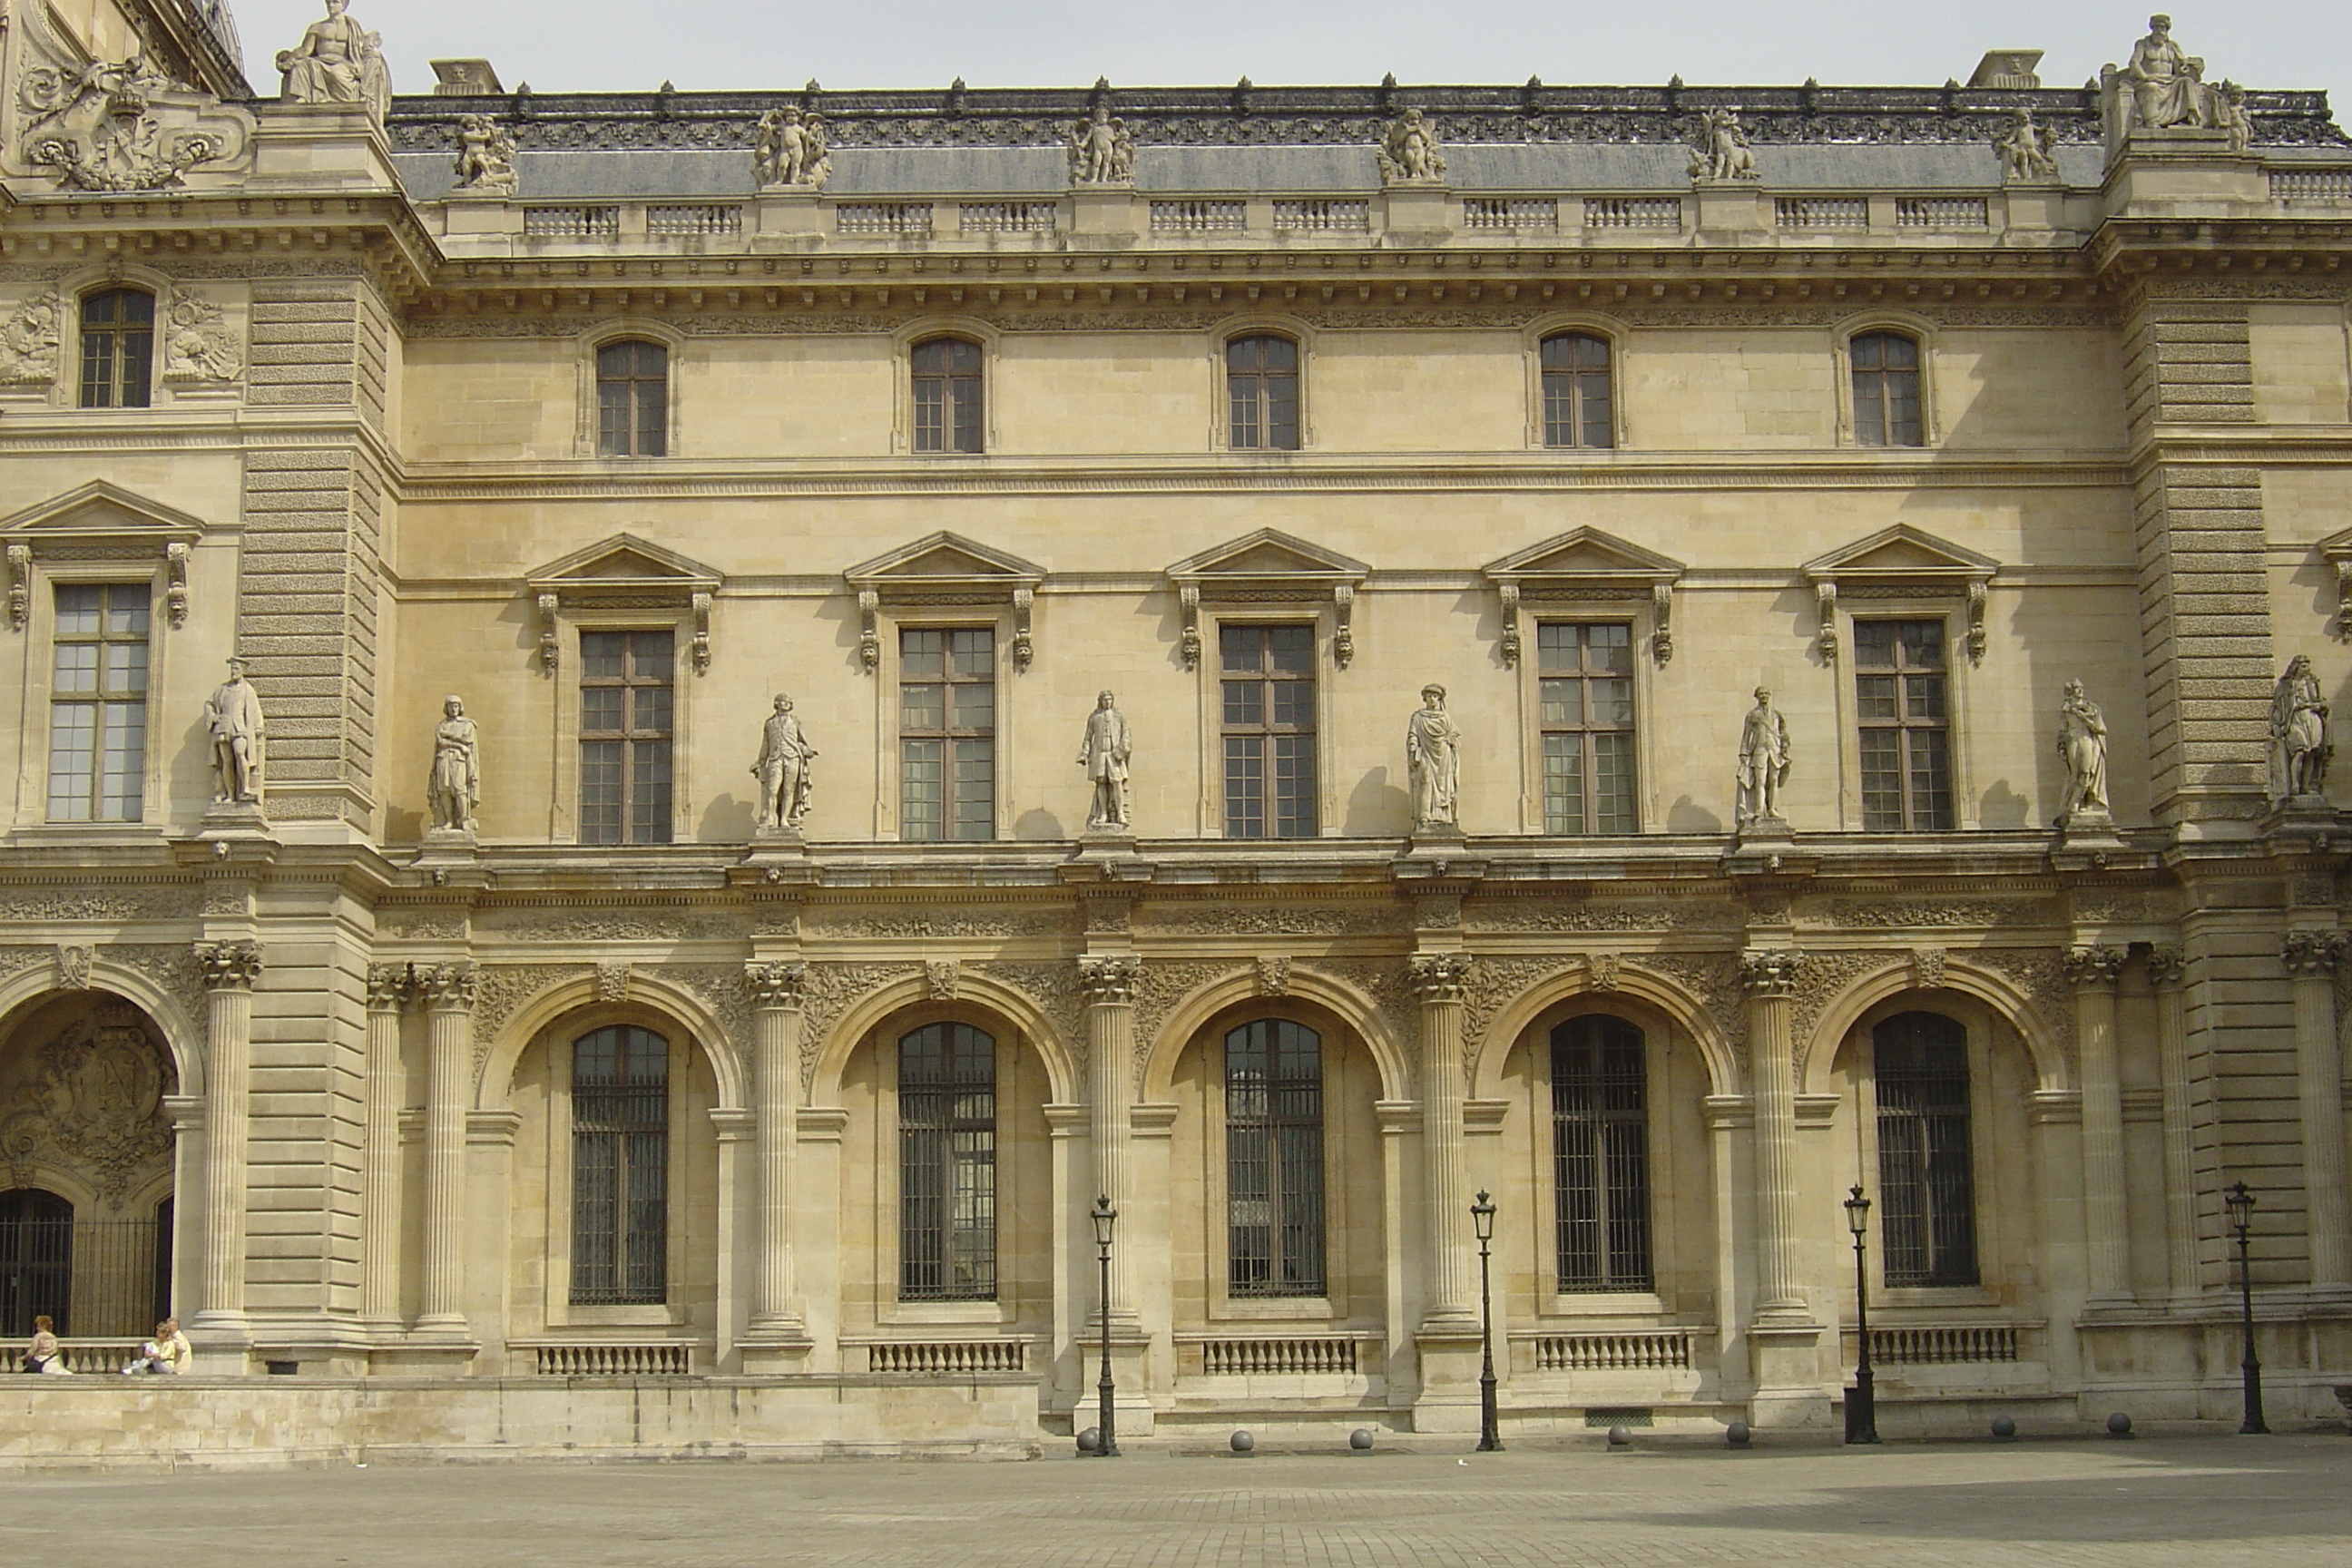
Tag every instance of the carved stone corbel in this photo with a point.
(1826, 607)
(1978, 597)
(869, 632)
(1273, 976)
(612, 983)
(1661, 612)
(551, 643)
(944, 976)
(1508, 593)
(1188, 595)
(700, 646)
(1343, 633)
(175, 583)
(20, 586)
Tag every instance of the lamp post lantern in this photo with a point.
(1106, 1416)
(2239, 1201)
(1861, 1399)
(1481, 1220)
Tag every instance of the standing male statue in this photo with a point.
(1104, 754)
(455, 788)
(233, 719)
(2299, 748)
(2083, 746)
(1433, 755)
(782, 769)
(1763, 761)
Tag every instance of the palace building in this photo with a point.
(1667, 656)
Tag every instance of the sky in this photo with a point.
(609, 46)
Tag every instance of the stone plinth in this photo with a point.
(316, 146)
(1103, 211)
(1416, 207)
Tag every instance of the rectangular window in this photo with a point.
(1274, 1160)
(1262, 389)
(947, 1164)
(632, 400)
(625, 718)
(1587, 675)
(98, 704)
(1926, 1168)
(1576, 391)
(1899, 699)
(1601, 1154)
(620, 1167)
(1885, 390)
(118, 348)
(947, 734)
(1269, 731)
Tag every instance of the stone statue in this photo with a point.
(1102, 149)
(1104, 754)
(2028, 152)
(233, 719)
(485, 157)
(2166, 85)
(1408, 150)
(1763, 761)
(338, 61)
(2229, 106)
(2082, 747)
(1719, 150)
(455, 788)
(782, 769)
(792, 151)
(2299, 748)
(1433, 755)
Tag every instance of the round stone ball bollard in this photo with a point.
(1736, 1434)
(2004, 1430)
(1090, 1440)
(2119, 1425)
(1361, 1440)
(1620, 1440)
(1243, 1443)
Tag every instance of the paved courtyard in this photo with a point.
(2211, 1501)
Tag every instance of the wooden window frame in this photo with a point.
(1267, 728)
(1633, 729)
(630, 736)
(115, 384)
(101, 698)
(1904, 726)
(636, 444)
(953, 388)
(949, 733)
(1573, 382)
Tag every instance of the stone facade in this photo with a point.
(393, 462)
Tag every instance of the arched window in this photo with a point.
(1601, 1154)
(1926, 1180)
(946, 395)
(631, 399)
(947, 1164)
(620, 1167)
(118, 348)
(1885, 390)
(1274, 1160)
(1262, 389)
(1576, 405)
(35, 1260)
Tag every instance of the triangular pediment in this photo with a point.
(1269, 555)
(1584, 555)
(1902, 553)
(624, 561)
(945, 560)
(2336, 546)
(100, 510)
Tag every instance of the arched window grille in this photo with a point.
(1600, 1156)
(947, 1164)
(620, 1166)
(1927, 1178)
(1274, 1160)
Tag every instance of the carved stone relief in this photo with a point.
(91, 1099)
(169, 966)
(1272, 975)
(829, 990)
(1664, 914)
(613, 981)
(500, 988)
(2041, 974)
(1054, 986)
(1161, 987)
(1213, 918)
(943, 976)
(1822, 979)
(28, 342)
(124, 125)
(202, 347)
(1715, 979)
(1893, 913)
(960, 922)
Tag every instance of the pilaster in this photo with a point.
(775, 1338)
(2311, 957)
(2107, 1217)
(389, 989)
(2167, 969)
(230, 970)
(448, 990)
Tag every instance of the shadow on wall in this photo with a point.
(1686, 815)
(1377, 808)
(1038, 823)
(2003, 808)
(727, 820)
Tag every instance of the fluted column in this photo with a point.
(1770, 977)
(1109, 981)
(2166, 969)
(387, 991)
(777, 992)
(2311, 959)
(2106, 1215)
(449, 1019)
(229, 970)
(1439, 979)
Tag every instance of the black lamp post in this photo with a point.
(2240, 1205)
(1481, 1220)
(1105, 1418)
(1861, 1399)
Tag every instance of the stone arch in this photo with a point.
(2044, 1044)
(1352, 1007)
(182, 1035)
(1009, 1007)
(494, 1080)
(1650, 993)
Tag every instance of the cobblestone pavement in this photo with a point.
(2211, 1501)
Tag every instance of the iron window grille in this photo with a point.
(946, 372)
(947, 734)
(1927, 1177)
(1576, 391)
(1906, 728)
(1586, 675)
(97, 703)
(632, 399)
(620, 1167)
(627, 706)
(1274, 1160)
(118, 348)
(1600, 1156)
(1885, 390)
(1261, 391)
(93, 1277)
(947, 1164)
(1268, 692)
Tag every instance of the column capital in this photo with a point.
(1770, 972)
(2094, 968)
(229, 965)
(390, 986)
(2166, 967)
(448, 987)
(776, 986)
(1108, 980)
(2312, 954)
(1440, 976)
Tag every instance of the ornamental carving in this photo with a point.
(170, 967)
(2167, 966)
(1160, 988)
(1928, 967)
(438, 923)
(91, 1099)
(1896, 913)
(1715, 979)
(390, 986)
(941, 977)
(1718, 149)
(607, 925)
(2094, 968)
(792, 150)
(73, 967)
(485, 157)
(1822, 979)
(448, 987)
(1205, 917)
(1272, 975)
(926, 925)
(2312, 954)
(2041, 974)
(28, 342)
(1101, 150)
(1408, 154)
(2028, 153)
(228, 965)
(1660, 915)
(1054, 987)
(776, 985)
(829, 989)
(500, 988)
(1439, 976)
(1493, 986)
(124, 125)
(201, 345)
(725, 989)
(1110, 979)
(612, 983)
(1769, 973)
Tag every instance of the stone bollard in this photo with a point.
(1736, 1434)
(2004, 1430)
(1620, 1440)
(2119, 1425)
(1361, 1440)
(1243, 1443)
(1090, 1440)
